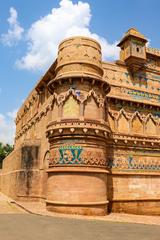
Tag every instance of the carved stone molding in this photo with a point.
(79, 95)
(130, 116)
(60, 100)
(131, 163)
(135, 140)
(93, 128)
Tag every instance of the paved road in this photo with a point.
(34, 227)
(7, 207)
(15, 224)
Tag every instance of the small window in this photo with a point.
(137, 49)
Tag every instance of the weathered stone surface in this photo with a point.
(88, 135)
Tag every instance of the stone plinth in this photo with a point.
(77, 190)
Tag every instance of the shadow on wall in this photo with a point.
(29, 161)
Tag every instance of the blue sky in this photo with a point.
(31, 30)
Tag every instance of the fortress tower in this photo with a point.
(88, 135)
(78, 131)
(133, 50)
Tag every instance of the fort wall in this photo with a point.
(88, 136)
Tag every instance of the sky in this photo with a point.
(30, 32)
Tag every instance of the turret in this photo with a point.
(133, 49)
(78, 133)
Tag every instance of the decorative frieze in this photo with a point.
(128, 122)
(77, 155)
(131, 163)
(81, 97)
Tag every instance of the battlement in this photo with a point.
(153, 51)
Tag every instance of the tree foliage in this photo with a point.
(5, 150)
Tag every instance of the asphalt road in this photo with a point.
(34, 227)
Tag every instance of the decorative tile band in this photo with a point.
(144, 95)
(73, 155)
(77, 155)
(134, 164)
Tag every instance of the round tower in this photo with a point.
(77, 174)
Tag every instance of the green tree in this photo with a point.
(5, 150)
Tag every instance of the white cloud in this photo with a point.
(15, 31)
(148, 44)
(45, 34)
(7, 127)
(12, 114)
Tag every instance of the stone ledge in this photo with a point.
(76, 169)
(134, 172)
(77, 204)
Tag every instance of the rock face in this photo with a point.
(88, 135)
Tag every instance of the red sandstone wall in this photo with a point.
(17, 181)
(21, 177)
(136, 193)
(11, 167)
